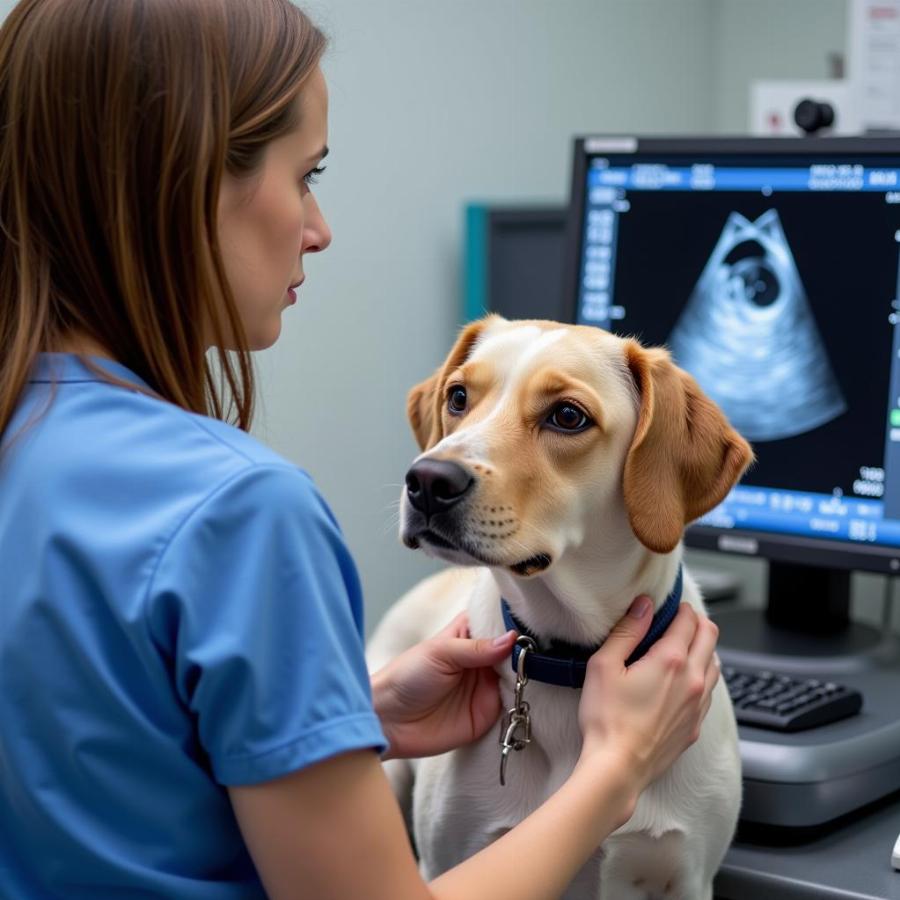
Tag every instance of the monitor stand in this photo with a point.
(808, 778)
(805, 626)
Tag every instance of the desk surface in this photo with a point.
(852, 862)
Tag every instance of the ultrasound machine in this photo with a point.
(770, 268)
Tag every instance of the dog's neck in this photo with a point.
(581, 598)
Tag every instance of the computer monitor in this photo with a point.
(769, 268)
(514, 261)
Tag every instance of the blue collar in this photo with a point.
(565, 664)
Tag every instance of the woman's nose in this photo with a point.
(316, 233)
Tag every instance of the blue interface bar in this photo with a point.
(819, 177)
(807, 514)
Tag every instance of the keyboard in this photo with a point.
(766, 699)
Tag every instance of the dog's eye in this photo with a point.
(456, 400)
(568, 417)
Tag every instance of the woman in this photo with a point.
(185, 710)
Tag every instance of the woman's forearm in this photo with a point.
(557, 839)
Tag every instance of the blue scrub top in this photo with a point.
(178, 612)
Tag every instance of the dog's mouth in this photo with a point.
(433, 538)
(540, 562)
(531, 566)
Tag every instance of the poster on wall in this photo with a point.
(874, 62)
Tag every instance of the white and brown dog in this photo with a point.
(564, 463)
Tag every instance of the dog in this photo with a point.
(560, 466)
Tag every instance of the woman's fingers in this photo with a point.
(465, 653)
(457, 628)
(679, 635)
(703, 645)
(713, 671)
(626, 635)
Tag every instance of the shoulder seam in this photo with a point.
(197, 420)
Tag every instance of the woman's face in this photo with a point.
(269, 220)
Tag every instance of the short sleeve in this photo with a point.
(256, 606)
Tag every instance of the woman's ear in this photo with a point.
(425, 402)
(684, 458)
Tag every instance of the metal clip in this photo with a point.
(518, 717)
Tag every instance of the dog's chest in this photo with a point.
(460, 805)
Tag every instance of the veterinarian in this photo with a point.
(184, 706)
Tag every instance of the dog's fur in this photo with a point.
(607, 506)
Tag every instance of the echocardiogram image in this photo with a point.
(778, 305)
(749, 337)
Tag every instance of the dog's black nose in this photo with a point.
(434, 485)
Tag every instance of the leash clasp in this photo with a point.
(515, 729)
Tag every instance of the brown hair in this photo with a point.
(119, 120)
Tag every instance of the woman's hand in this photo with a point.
(441, 693)
(652, 710)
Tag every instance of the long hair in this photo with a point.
(119, 119)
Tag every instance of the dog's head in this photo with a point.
(539, 437)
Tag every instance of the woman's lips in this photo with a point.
(292, 291)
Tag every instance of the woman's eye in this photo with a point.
(568, 417)
(456, 400)
(310, 178)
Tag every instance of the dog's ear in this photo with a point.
(424, 403)
(684, 458)
(420, 409)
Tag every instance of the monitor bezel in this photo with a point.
(786, 548)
